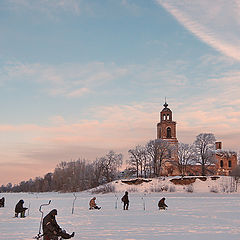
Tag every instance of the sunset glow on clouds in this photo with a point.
(79, 79)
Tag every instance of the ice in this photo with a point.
(191, 216)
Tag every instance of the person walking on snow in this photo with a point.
(20, 209)
(162, 205)
(125, 201)
(93, 205)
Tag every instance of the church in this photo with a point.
(225, 161)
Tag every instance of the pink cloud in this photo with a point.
(118, 128)
(78, 93)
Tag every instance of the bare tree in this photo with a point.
(158, 151)
(146, 164)
(136, 159)
(238, 158)
(98, 169)
(73, 176)
(152, 151)
(47, 182)
(236, 174)
(111, 163)
(186, 155)
(145, 159)
(204, 148)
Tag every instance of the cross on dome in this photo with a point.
(165, 104)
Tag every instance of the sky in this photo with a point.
(79, 78)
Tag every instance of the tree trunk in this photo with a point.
(203, 169)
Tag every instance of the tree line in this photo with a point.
(144, 161)
(150, 159)
(73, 176)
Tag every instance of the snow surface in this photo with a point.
(194, 216)
(221, 184)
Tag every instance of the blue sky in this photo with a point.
(79, 78)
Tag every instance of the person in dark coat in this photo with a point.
(20, 209)
(2, 202)
(125, 201)
(162, 205)
(51, 230)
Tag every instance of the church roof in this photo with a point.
(166, 109)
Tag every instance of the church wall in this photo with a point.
(225, 161)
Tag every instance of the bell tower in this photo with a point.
(166, 130)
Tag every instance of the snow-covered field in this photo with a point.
(191, 216)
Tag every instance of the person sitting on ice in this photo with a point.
(162, 205)
(93, 205)
(51, 230)
(2, 202)
(20, 209)
(125, 201)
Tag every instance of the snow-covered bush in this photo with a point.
(160, 188)
(156, 189)
(227, 187)
(132, 189)
(104, 189)
(214, 189)
(165, 188)
(189, 188)
(172, 189)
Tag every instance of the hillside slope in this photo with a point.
(219, 184)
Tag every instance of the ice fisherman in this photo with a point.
(51, 230)
(2, 202)
(162, 205)
(125, 201)
(20, 209)
(93, 205)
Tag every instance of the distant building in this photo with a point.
(166, 130)
(225, 161)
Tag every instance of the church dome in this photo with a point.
(166, 109)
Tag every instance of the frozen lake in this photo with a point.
(192, 216)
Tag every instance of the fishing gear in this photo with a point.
(116, 201)
(29, 205)
(144, 205)
(40, 210)
(75, 197)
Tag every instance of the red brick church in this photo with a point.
(225, 161)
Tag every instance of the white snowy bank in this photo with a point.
(214, 184)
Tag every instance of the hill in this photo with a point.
(197, 184)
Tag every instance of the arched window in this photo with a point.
(221, 163)
(229, 163)
(168, 117)
(169, 132)
(164, 117)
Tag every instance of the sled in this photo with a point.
(41, 237)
